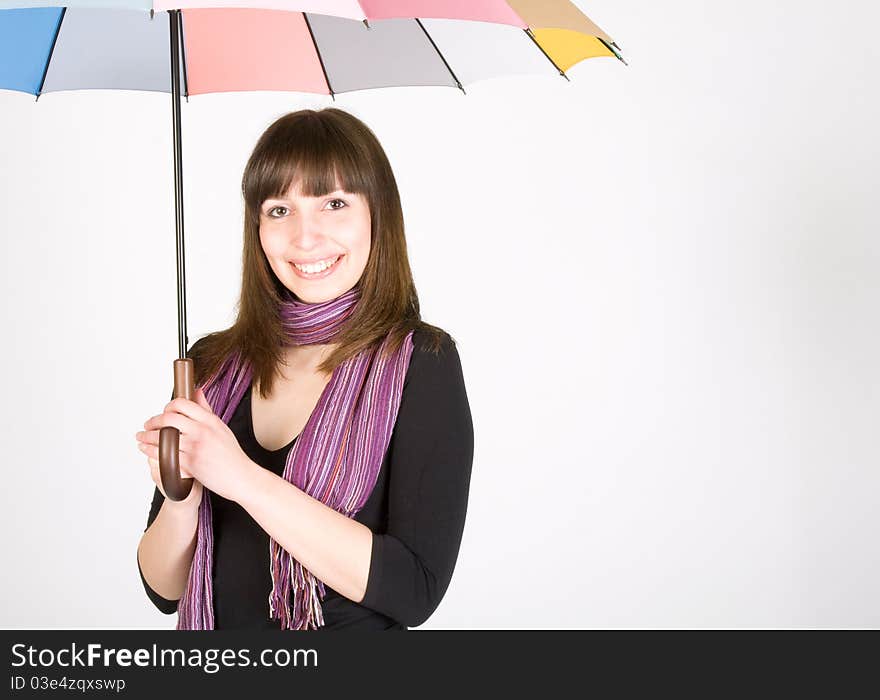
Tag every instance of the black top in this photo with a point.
(416, 512)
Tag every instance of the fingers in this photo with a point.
(148, 444)
(153, 459)
(185, 443)
(152, 453)
(185, 416)
(150, 436)
(198, 410)
(175, 420)
(155, 474)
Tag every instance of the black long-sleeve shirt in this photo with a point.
(416, 512)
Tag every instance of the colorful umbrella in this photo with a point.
(317, 46)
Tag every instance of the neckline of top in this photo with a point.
(249, 421)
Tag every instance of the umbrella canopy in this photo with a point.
(317, 47)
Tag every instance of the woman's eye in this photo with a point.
(332, 201)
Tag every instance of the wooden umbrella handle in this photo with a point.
(175, 487)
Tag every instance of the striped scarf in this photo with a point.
(336, 458)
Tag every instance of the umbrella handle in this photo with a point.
(175, 487)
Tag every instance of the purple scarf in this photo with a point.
(336, 459)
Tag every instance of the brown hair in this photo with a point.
(320, 150)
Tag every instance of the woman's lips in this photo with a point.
(317, 275)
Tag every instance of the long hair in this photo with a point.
(321, 150)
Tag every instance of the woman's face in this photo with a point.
(316, 231)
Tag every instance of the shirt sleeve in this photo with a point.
(431, 454)
(163, 604)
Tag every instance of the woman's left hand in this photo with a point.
(208, 449)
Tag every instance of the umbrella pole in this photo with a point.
(175, 487)
(178, 181)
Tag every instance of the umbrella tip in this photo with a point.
(367, 24)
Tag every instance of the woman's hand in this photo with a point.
(208, 449)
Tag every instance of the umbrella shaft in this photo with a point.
(174, 21)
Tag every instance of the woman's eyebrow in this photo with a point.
(283, 199)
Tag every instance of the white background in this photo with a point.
(663, 283)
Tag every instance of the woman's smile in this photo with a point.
(317, 270)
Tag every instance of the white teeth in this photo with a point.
(317, 267)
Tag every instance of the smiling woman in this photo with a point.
(314, 238)
(332, 434)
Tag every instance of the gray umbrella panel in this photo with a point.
(390, 52)
(111, 49)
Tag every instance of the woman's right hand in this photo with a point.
(195, 495)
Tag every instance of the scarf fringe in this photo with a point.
(307, 590)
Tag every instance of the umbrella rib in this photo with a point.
(613, 48)
(183, 55)
(445, 62)
(360, 5)
(320, 59)
(528, 31)
(51, 51)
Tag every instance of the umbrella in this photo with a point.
(316, 46)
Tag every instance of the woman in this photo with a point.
(330, 442)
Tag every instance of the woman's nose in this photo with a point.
(306, 231)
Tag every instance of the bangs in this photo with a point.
(310, 156)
